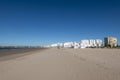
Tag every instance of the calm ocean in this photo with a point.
(9, 48)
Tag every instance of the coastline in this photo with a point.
(15, 53)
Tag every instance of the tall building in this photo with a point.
(110, 42)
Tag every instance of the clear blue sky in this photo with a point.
(42, 22)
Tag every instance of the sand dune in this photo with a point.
(63, 64)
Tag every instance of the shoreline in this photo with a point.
(15, 53)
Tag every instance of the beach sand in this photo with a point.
(63, 64)
(14, 53)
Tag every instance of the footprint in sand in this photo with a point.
(102, 66)
(81, 58)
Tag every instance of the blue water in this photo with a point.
(9, 48)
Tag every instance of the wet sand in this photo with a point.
(14, 53)
(63, 64)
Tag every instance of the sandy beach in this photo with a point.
(15, 53)
(63, 64)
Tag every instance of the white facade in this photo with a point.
(84, 43)
(90, 43)
(76, 45)
(54, 45)
(68, 44)
(60, 45)
(81, 44)
(99, 42)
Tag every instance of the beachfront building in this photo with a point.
(76, 45)
(99, 42)
(54, 45)
(68, 44)
(60, 45)
(110, 42)
(93, 43)
(82, 44)
(90, 43)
